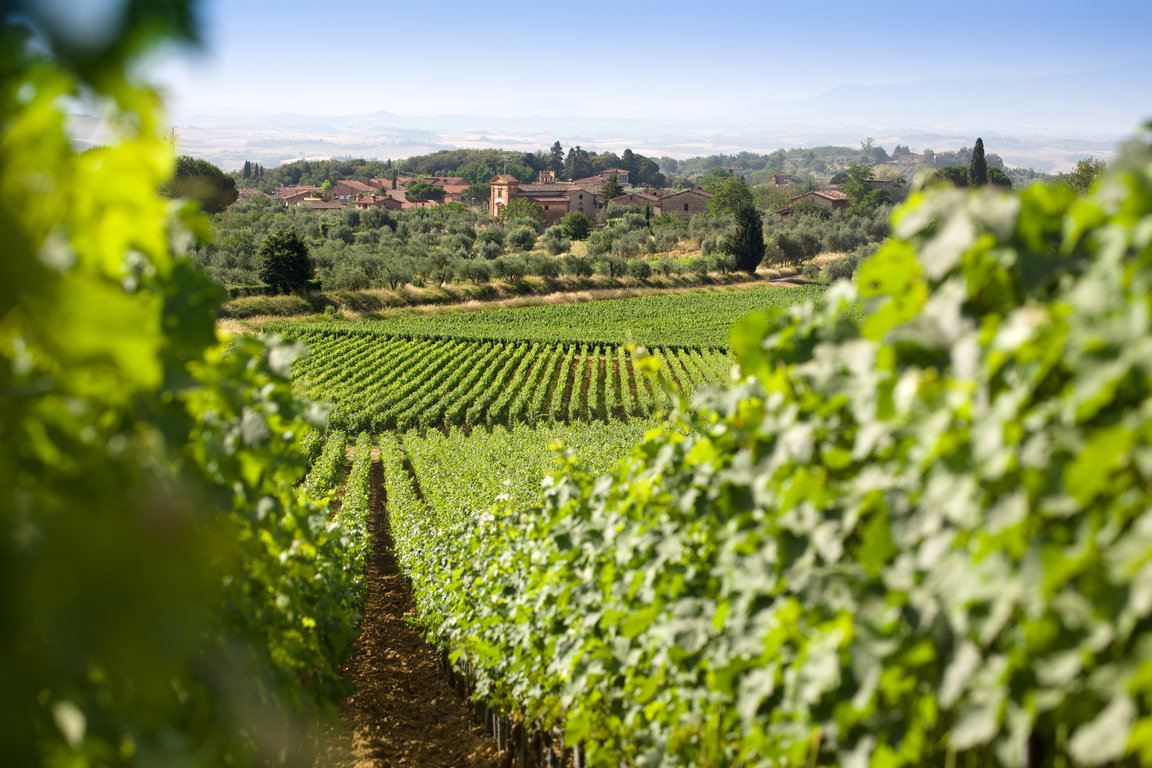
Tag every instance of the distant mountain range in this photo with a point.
(1046, 123)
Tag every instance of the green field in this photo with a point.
(696, 318)
(394, 383)
(533, 365)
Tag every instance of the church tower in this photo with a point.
(504, 189)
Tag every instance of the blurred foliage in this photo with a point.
(169, 598)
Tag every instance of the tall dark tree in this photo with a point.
(978, 167)
(628, 163)
(747, 240)
(557, 157)
(998, 177)
(201, 181)
(611, 190)
(284, 261)
(246, 172)
(578, 164)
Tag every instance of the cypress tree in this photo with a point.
(978, 168)
(246, 173)
(747, 243)
(610, 190)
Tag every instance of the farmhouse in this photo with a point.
(639, 199)
(289, 195)
(832, 199)
(386, 202)
(351, 189)
(557, 198)
(685, 204)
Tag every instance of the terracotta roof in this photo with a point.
(375, 200)
(558, 186)
(638, 195)
(695, 191)
(357, 186)
(317, 204)
(294, 190)
(505, 178)
(443, 181)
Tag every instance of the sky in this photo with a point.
(673, 59)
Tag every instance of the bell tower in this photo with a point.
(504, 189)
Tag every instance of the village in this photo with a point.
(555, 198)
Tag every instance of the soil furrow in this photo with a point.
(403, 713)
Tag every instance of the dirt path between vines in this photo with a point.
(403, 713)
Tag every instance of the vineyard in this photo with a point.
(911, 526)
(698, 318)
(383, 383)
(913, 536)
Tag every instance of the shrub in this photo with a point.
(578, 266)
(840, 269)
(475, 270)
(576, 225)
(543, 266)
(510, 267)
(612, 266)
(640, 269)
(489, 250)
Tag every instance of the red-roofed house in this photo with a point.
(378, 201)
(350, 189)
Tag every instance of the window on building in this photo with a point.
(685, 206)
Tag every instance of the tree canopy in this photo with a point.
(578, 164)
(611, 190)
(576, 225)
(200, 180)
(1084, 174)
(522, 208)
(419, 191)
(729, 193)
(862, 198)
(284, 262)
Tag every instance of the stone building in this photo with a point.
(556, 198)
(685, 204)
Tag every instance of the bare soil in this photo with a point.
(403, 712)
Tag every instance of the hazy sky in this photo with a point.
(629, 59)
